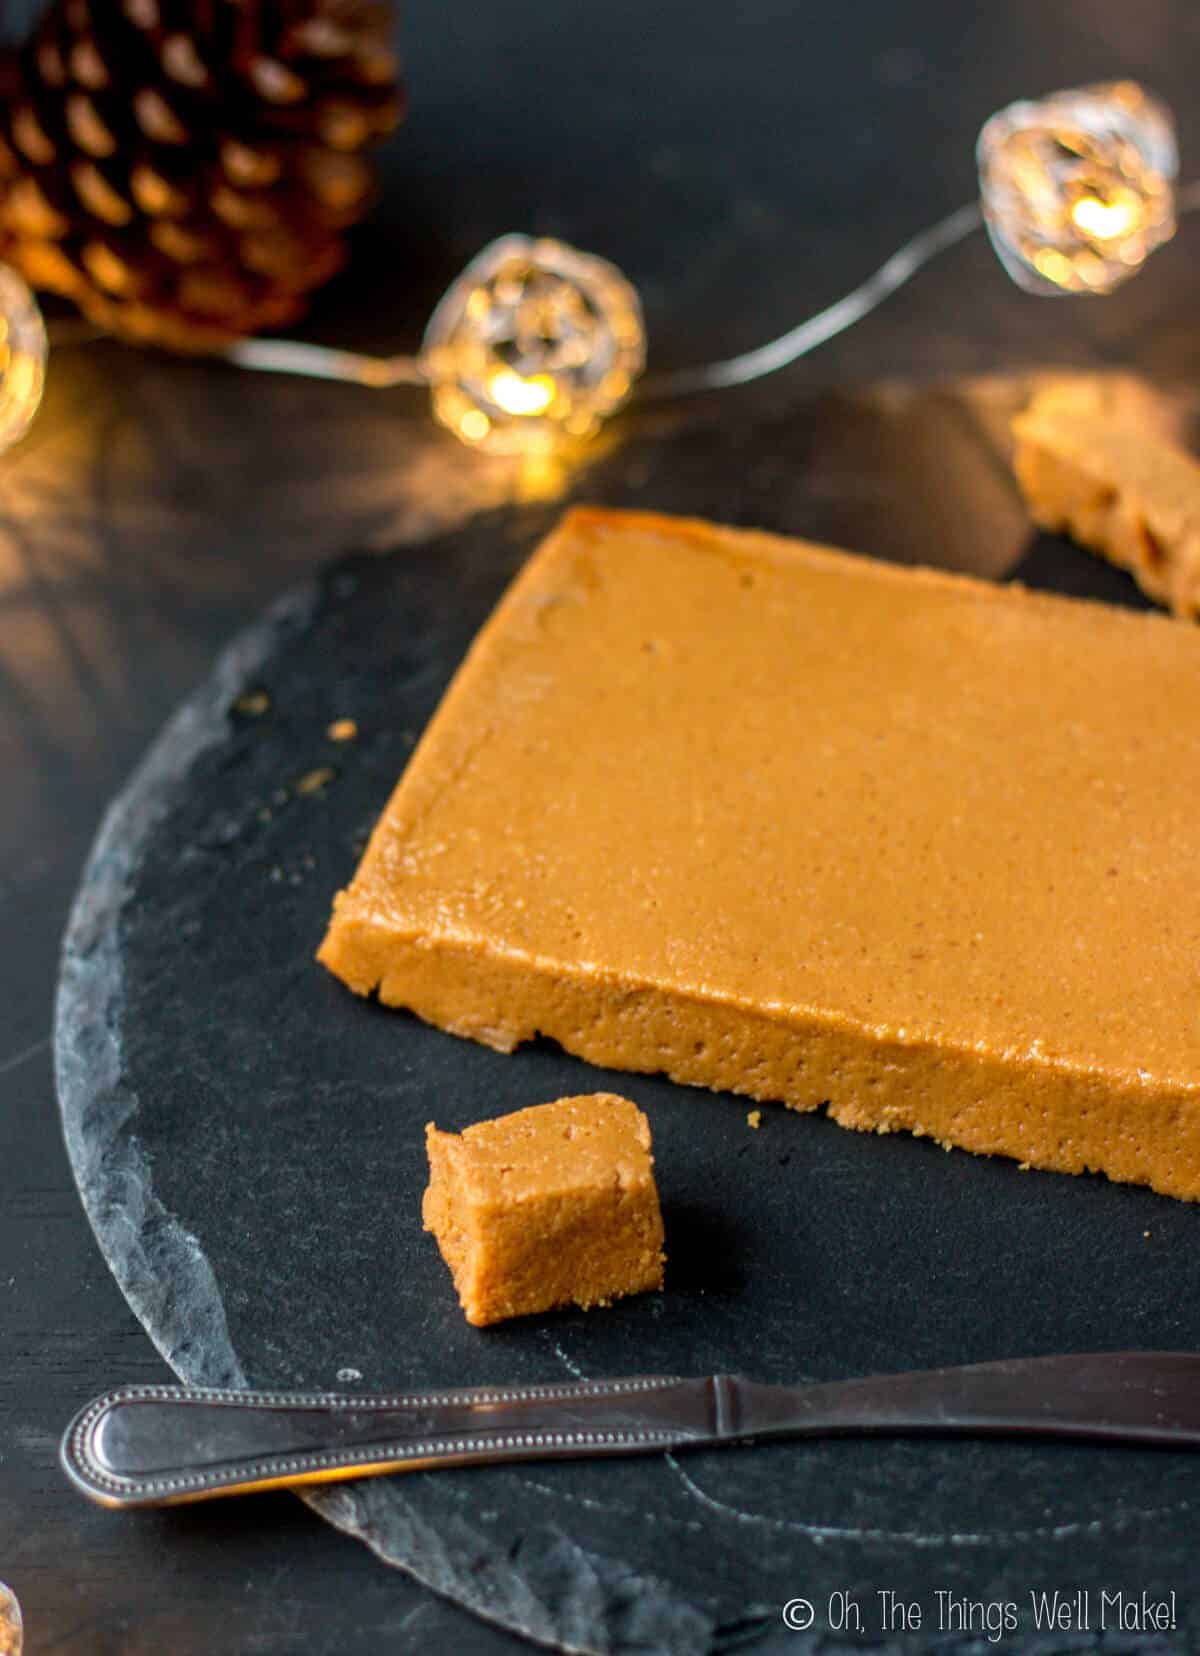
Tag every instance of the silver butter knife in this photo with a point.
(158, 1445)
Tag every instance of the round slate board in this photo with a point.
(248, 1138)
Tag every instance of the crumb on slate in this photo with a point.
(314, 780)
(342, 730)
(254, 703)
(754, 1119)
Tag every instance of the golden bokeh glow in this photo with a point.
(1105, 219)
(520, 396)
(22, 356)
(474, 425)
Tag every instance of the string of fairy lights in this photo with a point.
(537, 344)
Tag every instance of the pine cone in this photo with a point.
(185, 172)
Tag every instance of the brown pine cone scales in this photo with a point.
(186, 172)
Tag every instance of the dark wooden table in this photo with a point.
(744, 165)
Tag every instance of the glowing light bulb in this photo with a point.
(22, 356)
(526, 397)
(535, 345)
(1078, 188)
(1105, 220)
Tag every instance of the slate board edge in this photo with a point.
(160, 1267)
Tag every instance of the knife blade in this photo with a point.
(142, 1446)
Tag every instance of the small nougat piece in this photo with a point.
(1092, 462)
(554, 1205)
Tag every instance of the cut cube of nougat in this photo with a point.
(552, 1205)
(1092, 463)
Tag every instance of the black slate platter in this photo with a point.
(247, 1139)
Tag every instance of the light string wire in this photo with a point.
(282, 356)
(828, 323)
(381, 373)
(286, 356)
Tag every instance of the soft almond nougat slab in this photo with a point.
(808, 827)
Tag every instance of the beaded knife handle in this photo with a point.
(158, 1445)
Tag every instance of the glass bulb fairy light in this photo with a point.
(1078, 188)
(534, 343)
(10, 1622)
(22, 356)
